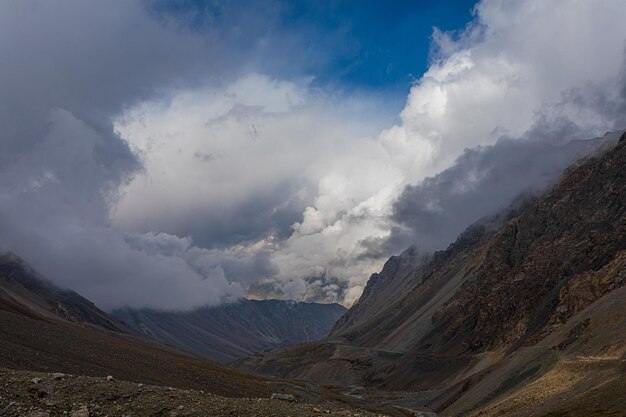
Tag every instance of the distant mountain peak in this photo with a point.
(234, 330)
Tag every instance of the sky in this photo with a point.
(348, 44)
(173, 154)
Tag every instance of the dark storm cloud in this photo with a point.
(270, 212)
(321, 289)
(68, 68)
(90, 58)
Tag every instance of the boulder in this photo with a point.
(284, 397)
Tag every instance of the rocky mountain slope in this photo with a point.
(522, 315)
(26, 292)
(236, 330)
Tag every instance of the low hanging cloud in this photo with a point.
(482, 181)
(53, 212)
(148, 165)
(69, 68)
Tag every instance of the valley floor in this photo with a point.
(36, 394)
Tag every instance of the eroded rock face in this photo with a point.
(563, 241)
(583, 289)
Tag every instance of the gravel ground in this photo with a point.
(35, 394)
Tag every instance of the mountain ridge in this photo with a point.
(231, 331)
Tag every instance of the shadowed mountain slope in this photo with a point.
(26, 292)
(236, 330)
(44, 328)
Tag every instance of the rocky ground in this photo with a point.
(35, 394)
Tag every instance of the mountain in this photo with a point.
(222, 333)
(231, 331)
(24, 291)
(48, 329)
(522, 315)
(61, 355)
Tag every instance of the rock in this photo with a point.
(109, 378)
(284, 397)
(44, 392)
(35, 380)
(58, 375)
(37, 414)
(83, 411)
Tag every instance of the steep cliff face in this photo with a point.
(516, 300)
(397, 276)
(574, 229)
(232, 331)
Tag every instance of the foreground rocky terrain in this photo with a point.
(32, 394)
(523, 315)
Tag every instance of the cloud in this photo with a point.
(485, 122)
(514, 61)
(285, 157)
(160, 159)
(315, 185)
(482, 181)
(502, 97)
(269, 142)
(54, 209)
(68, 69)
